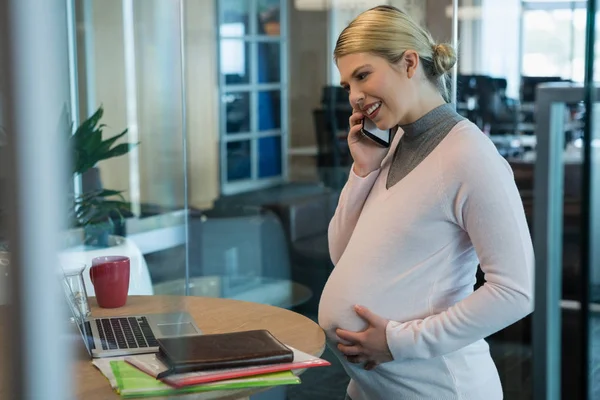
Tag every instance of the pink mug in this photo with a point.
(110, 277)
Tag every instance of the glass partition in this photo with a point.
(129, 61)
(5, 283)
(565, 323)
(536, 116)
(489, 93)
(567, 284)
(591, 234)
(35, 119)
(242, 126)
(591, 313)
(223, 152)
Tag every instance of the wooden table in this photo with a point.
(212, 315)
(282, 293)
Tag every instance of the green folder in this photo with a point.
(132, 383)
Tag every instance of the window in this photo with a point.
(253, 87)
(554, 40)
(233, 52)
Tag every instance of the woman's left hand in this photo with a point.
(368, 346)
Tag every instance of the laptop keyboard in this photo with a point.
(125, 333)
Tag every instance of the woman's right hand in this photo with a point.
(367, 154)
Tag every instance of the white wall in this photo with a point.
(309, 59)
(438, 21)
(202, 96)
(499, 46)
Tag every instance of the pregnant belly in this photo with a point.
(345, 290)
(336, 309)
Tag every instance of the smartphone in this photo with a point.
(370, 130)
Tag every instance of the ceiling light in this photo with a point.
(322, 5)
(465, 13)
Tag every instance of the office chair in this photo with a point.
(334, 95)
(331, 151)
(333, 154)
(527, 92)
(529, 84)
(474, 94)
(503, 111)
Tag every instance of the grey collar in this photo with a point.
(429, 120)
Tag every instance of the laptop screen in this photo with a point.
(77, 315)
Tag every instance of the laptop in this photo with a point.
(128, 335)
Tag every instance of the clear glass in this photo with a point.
(129, 61)
(237, 112)
(239, 145)
(235, 61)
(35, 329)
(235, 17)
(593, 344)
(580, 224)
(594, 316)
(239, 160)
(504, 54)
(4, 249)
(269, 110)
(269, 62)
(4, 275)
(75, 288)
(554, 43)
(253, 45)
(269, 156)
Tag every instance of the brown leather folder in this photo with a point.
(223, 350)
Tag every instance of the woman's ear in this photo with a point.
(411, 62)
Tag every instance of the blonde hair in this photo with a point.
(387, 32)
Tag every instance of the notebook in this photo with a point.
(223, 350)
(152, 366)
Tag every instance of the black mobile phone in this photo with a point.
(370, 130)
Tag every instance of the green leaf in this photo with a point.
(113, 204)
(87, 126)
(102, 193)
(88, 148)
(92, 141)
(105, 145)
(117, 151)
(92, 121)
(108, 193)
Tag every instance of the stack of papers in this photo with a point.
(134, 383)
(135, 376)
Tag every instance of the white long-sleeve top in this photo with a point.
(409, 253)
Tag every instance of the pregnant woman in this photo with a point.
(413, 222)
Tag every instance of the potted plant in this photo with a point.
(97, 214)
(99, 211)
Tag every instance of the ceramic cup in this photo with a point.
(110, 277)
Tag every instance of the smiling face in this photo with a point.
(383, 92)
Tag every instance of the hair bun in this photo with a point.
(444, 58)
